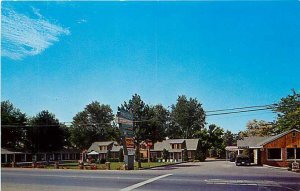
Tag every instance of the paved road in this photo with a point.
(214, 175)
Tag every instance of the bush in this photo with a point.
(185, 155)
(154, 159)
(121, 155)
(113, 160)
(102, 161)
(144, 160)
(165, 154)
(202, 157)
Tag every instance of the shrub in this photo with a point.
(108, 155)
(114, 160)
(121, 155)
(165, 154)
(144, 160)
(185, 155)
(154, 159)
(102, 161)
(201, 157)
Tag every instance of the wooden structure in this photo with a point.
(279, 150)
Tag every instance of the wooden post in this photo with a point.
(148, 154)
(295, 154)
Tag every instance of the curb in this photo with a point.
(161, 166)
(275, 167)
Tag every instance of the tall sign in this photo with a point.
(125, 121)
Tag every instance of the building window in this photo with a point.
(290, 153)
(294, 134)
(274, 154)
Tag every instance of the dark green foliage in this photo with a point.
(288, 113)
(114, 160)
(200, 156)
(165, 154)
(210, 138)
(13, 129)
(151, 121)
(45, 133)
(144, 160)
(121, 155)
(108, 156)
(187, 118)
(102, 161)
(229, 139)
(185, 155)
(93, 124)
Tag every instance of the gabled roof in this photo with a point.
(116, 148)
(191, 144)
(270, 139)
(176, 141)
(9, 151)
(254, 142)
(96, 146)
(105, 143)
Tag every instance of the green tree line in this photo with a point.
(184, 119)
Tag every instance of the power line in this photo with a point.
(213, 113)
(242, 111)
(238, 108)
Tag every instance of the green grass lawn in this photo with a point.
(113, 165)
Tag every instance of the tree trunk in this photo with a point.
(139, 155)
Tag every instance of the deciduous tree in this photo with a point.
(288, 113)
(187, 118)
(92, 124)
(45, 133)
(13, 123)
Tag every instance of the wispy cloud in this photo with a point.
(80, 21)
(24, 36)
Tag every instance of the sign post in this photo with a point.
(125, 121)
(295, 164)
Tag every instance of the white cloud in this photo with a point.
(36, 12)
(80, 21)
(24, 36)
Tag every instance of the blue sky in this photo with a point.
(62, 56)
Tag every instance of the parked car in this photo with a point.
(242, 160)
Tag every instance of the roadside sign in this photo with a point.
(129, 142)
(124, 117)
(125, 121)
(131, 151)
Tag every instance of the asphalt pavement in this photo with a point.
(210, 175)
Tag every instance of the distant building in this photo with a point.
(277, 150)
(100, 149)
(175, 147)
(10, 155)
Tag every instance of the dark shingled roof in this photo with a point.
(254, 142)
(250, 141)
(95, 146)
(191, 144)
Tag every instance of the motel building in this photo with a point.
(279, 150)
